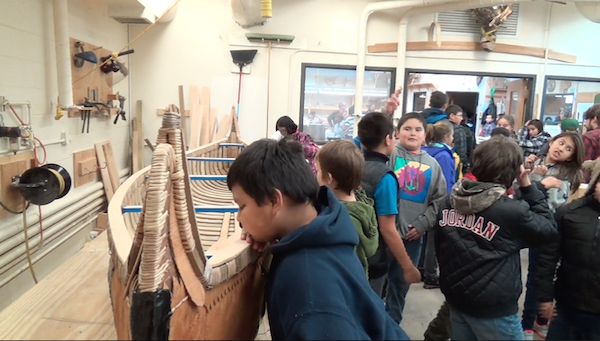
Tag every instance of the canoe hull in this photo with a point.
(239, 301)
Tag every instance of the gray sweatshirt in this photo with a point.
(556, 196)
(422, 186)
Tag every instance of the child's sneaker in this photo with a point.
(527, 334)
(431, 283)
(540, 329)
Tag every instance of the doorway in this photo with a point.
(419, 100)
(476, 93)
(468, 101)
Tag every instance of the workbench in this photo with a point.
(72, 303)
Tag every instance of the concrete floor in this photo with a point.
(421, 307)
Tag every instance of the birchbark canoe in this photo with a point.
(178, 268)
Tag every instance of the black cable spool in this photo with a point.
(44, 184)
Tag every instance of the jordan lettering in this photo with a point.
(450, 217)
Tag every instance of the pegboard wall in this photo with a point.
(97, 86)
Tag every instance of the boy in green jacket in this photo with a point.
(340, 166)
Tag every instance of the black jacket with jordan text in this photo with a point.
(478, 237)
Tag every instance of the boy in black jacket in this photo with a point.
(578, 275)
(478, 238)
(376, 132)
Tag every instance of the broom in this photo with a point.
(242, 58)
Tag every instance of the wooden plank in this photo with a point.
(111, 164)
(195, 117)
(204, 127)
(161, 112)
(102, 222)
(184, 113)
(71, 303)
(137, 152)
(10, 166)
(224, 127)
(212, 124)
(84, 169)
(102, 164)
(473, 46)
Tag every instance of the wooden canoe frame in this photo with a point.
(228, 305)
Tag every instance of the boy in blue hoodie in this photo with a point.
(438, 102)
(316, 286)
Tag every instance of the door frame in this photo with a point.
(562, 78)
(528, 108)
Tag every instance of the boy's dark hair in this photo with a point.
(500, 131)
(344, 162)
(373, 128)
(497, 160)
(453, 109)
(287, 123)
(538, 124)
(267, 165)
(438, 99)
(416, 115)
(593, 111)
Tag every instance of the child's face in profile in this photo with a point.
(562, 149)
(321, 177)
(412, 134)
(254, 219)
(489, 118)
(533, 131)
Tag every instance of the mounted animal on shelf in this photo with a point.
(436, 43)
(491, 18)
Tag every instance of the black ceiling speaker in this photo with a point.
(44, 184)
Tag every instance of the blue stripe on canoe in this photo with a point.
(228, 144)
(209, 177)
(198, 209)
(210, 159)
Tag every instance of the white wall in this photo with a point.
(569, 32)
(194, 50)
(28, 73)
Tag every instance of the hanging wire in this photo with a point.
(12, 211)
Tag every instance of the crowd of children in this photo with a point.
(390, 208)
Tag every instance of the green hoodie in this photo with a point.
(363, 216)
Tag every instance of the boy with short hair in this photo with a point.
(376, 132)
(479, 234)
(438, 102)
(316, 285)
(455, 116)
(340, 166)
(490, 124)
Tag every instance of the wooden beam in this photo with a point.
(184, 113)
(474, 46)
(204, 126)
(195, 117)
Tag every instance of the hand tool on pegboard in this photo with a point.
(120, 109)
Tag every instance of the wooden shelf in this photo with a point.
(329, 108)
(422, 85)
